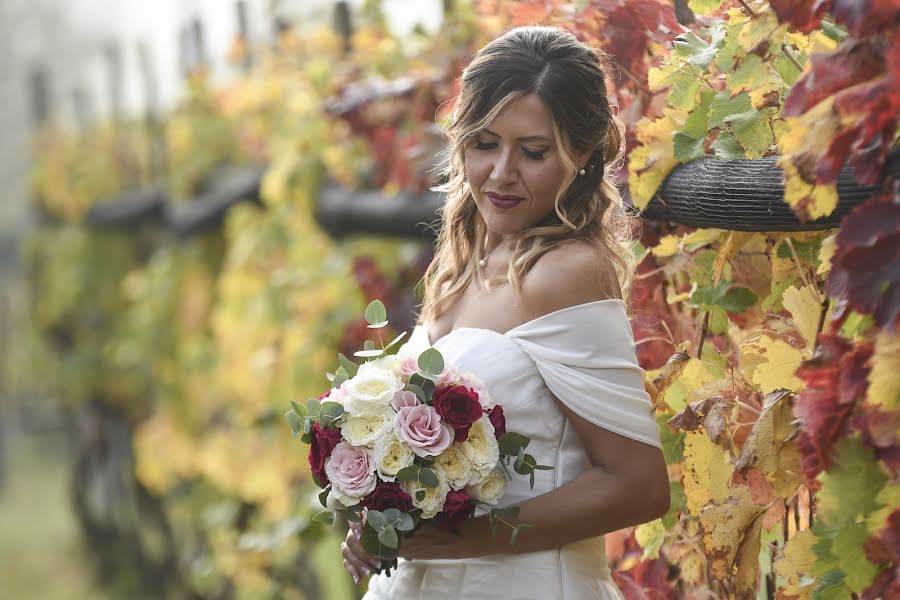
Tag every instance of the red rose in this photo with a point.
(323, 442)
(498, 421)
(459, 407)
(388, 495)
(457, 508)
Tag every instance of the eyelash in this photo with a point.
(530, 154)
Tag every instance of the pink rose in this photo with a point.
(409, 367)
(403, 399)
(448, 376)
(477, 386)
(351, 471)
(420, 427)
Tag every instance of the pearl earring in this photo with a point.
(581, 171)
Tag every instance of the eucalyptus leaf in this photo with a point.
(510, 443)
(431, 361)
(377, 325)
(396, 339)
(326, 517)
(418, 391)
(392, 514)
(331, 413)
(410, 473)
(313, 408)
(405, 523)
(420, 495)
(375, 312)
(294, 421)
(428, 478)
(515, 533)
(377, 520)
(520, 458)
(298, 408)
(350, 367)
(368, 345)
(368, 353)
(323, 496)
(351, 515)
(388, 537)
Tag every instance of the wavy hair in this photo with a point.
(570, 78)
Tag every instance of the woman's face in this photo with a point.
(515, 158)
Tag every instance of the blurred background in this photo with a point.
(202, 196)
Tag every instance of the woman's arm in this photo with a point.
(627, 484)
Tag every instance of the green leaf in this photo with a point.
(350, 367)
(848, 547)
(418, 391)
(773, 301)
(737, 299)
(806, 251)
(697, 50)
(298, 408)
(376, 519)
(405, 523)
(391, 514)
(850, 486)
(831, 587)
(723, 107)
(368, 353)
(431, 361)
(726, 147)
(326, 517)
(687, 148)
(428, 478)
(307, 426)
(323, 496)
(331, 413)
(520, 459)
(388, 537)
(396, 339)
(351, 515)
(410, 473)
(515, 533)
(752, 129)
(672, 442)
(294, 421)
(507, 512)
(374, 546)
(313, 408)
(375, 312)
(510, 442)
(697, 124)
(420, 495)
(368, 345)
(650, 537)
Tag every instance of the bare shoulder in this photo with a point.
(572, 274)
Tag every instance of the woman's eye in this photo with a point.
(479, 145)
(534, 154)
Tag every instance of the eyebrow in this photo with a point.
(527, 138)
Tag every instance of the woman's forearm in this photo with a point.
(595, 503)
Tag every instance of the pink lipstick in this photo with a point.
(503, 201)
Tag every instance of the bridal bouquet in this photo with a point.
(407, 438)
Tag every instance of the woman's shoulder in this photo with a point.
(571, 274)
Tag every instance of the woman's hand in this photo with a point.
(431, 541)
(356, 560)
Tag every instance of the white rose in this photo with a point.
(434, 499)
(481, 448)
(370, 389)
(456, 466)
(388, 362)
(366, 428)
(391, 455)
(490, 489)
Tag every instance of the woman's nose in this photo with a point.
(504, 168)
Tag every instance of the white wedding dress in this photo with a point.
(585, 356)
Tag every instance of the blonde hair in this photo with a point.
(569, 77)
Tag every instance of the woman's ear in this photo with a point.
(582, 159)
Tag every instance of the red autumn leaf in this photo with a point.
(879, 433)
(855, 61)
(884, 548)
(527, 12)
(864, 269)
(835, 379)
(866, 17)
(647, 580)
(803, 15)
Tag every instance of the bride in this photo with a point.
(532, 136)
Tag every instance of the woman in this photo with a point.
(532, 135)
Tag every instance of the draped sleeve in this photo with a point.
(586, 355)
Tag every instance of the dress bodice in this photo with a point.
(583, 356)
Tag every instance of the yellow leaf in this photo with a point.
(687, 554)
(747, 559)
(723, 527)
(763, 28)
(884, 378)
(707, 471)
(826, 252)
(667, 246)
(795, 565)
(770, 363)
(805, 305)
(650, 537)
(654, 158)
(700, 238)
(757, 78)
(693, 375)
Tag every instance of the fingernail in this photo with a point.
(357, 533)
(356, 578)
(375, 563)
(366, 570)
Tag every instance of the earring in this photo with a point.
(581, 171)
